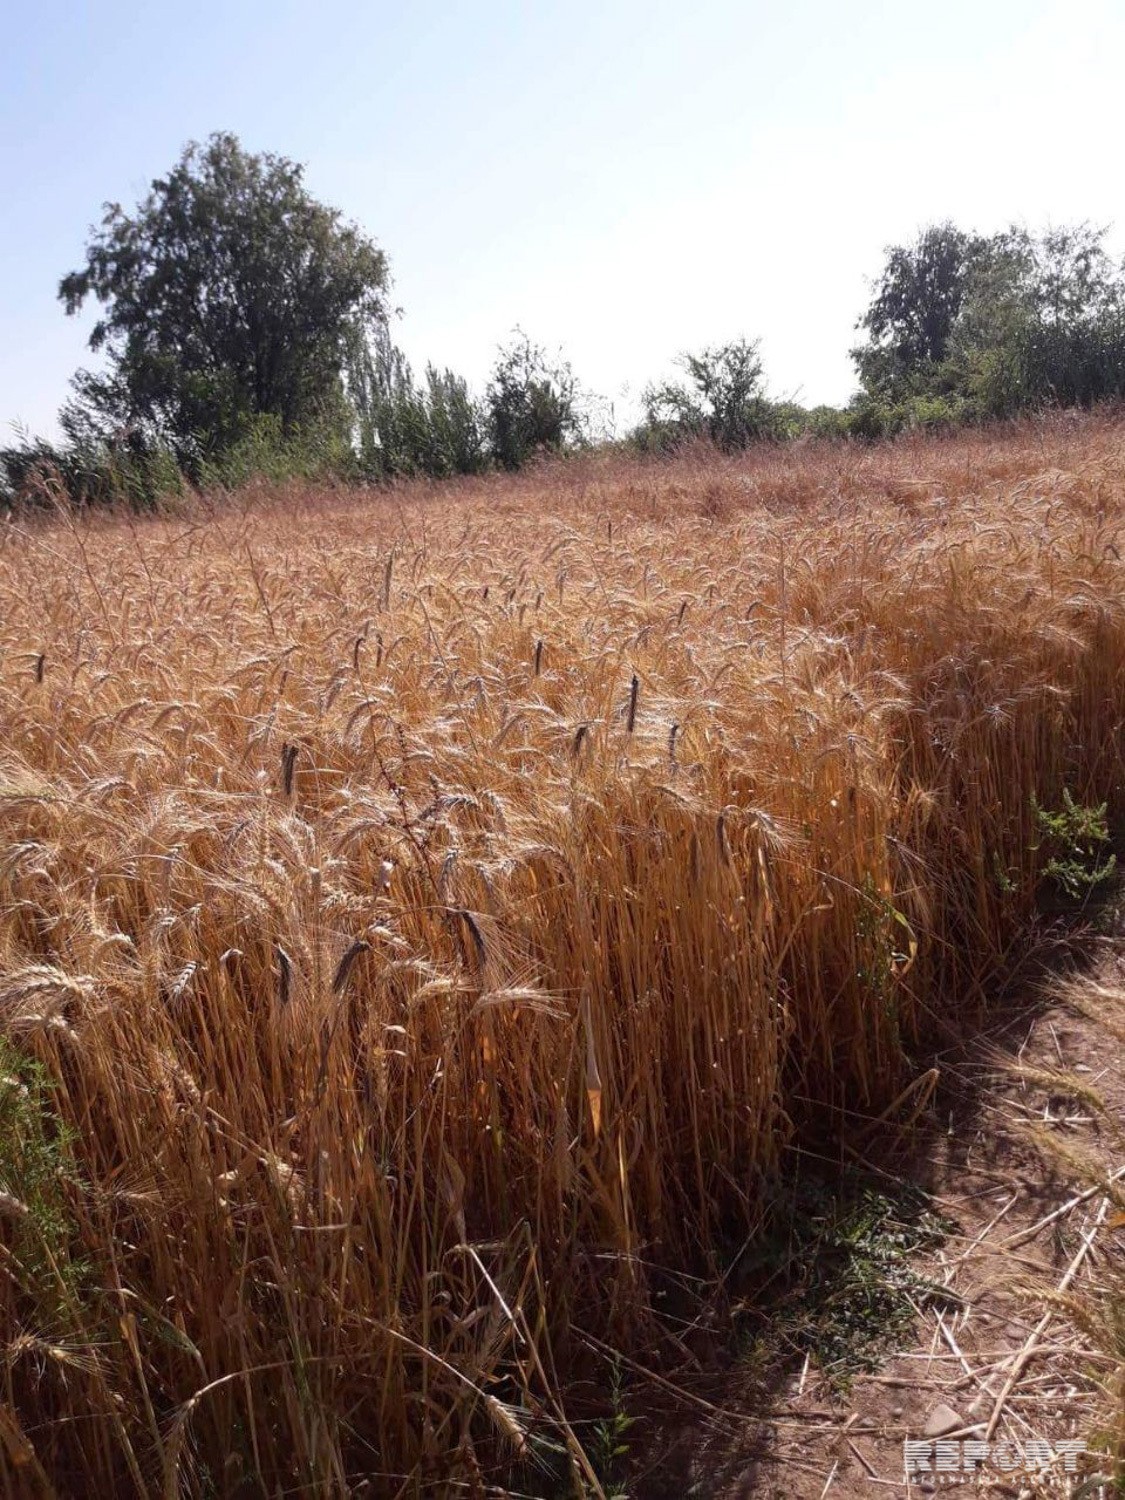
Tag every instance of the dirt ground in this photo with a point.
(1013, 1150)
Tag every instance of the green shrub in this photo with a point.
(1074, 838)
(35, 473)
(267, 451)
(723, 400)
(37, 1174)
(873, 417)
(532, 404)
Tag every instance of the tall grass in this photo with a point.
(427, 917)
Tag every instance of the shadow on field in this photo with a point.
(836, 1283)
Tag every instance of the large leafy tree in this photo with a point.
(993, 325)
(914, 309)
(229, 293)
(1043, 322)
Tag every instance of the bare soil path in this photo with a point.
(1016, 1157)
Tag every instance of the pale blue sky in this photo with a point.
(622, 178)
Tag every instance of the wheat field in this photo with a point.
(428, 917)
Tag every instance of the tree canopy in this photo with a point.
(229, 293)
(244, 332)
(532, 402)
(914, 308)
(987, 326)
(723, 399)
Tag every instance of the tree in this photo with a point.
(1043, 322)
(533, 403)
(964, 327)
(458, 438)
(914, 310)
(401, 429)
(227, 295)
(724, 400)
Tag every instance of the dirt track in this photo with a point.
(1009, 1153)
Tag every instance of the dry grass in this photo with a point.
(1096, 1307)
(436, 910)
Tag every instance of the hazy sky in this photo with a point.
(623, 179)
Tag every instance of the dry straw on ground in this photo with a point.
(436, 910)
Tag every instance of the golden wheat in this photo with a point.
(436, 911)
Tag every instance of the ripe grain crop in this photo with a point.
(426, 916)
